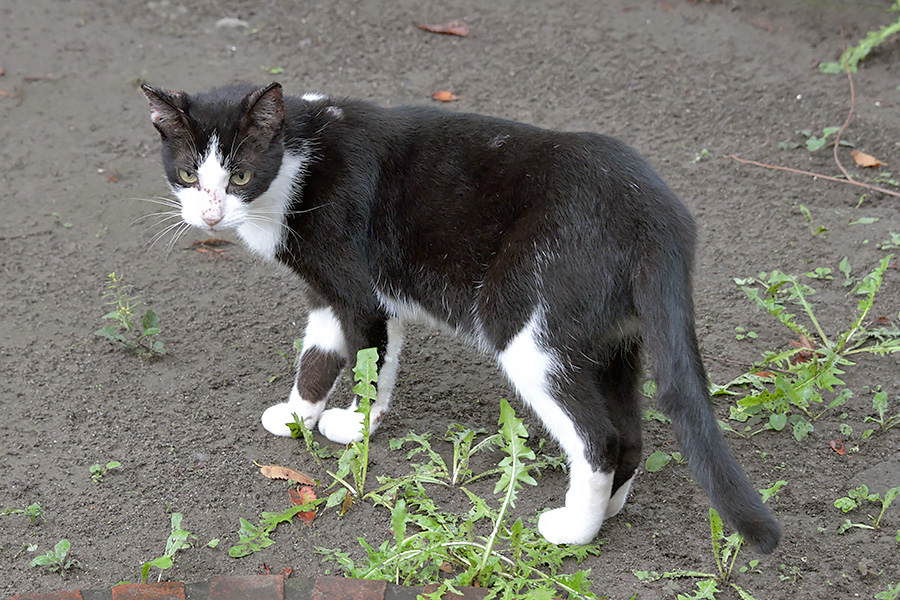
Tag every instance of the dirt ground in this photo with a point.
(671, 78)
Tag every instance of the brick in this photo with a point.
(341, 588)
(257, 587)
(168, 590)
(298, 588)
(76, 595)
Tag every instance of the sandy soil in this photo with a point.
(671, 78)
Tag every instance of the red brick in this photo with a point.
(76, 595)
(257, 587)
(341, 588)
(169, 590)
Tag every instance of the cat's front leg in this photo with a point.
(345, 425)
(323, 356)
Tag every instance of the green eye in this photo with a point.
(187, 176)
(242, 178)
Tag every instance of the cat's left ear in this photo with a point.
(265, 112)
(166, 111)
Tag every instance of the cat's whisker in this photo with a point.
(162, 216)
(179, 233)
(162, 200)
(162, 233)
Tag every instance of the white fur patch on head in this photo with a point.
(207, 206)
(313, 97)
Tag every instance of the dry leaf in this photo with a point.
(837, 446)
(449, 28)
(803, 343)
(300, 496)
(444, 96)
(277, 472)
(766, 374)
(865, 160)
(446, 567)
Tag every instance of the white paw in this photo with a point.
(341, 425)
(275, 418)
(566, 526)
(618, 499)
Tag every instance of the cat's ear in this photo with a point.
(166, 111)
(264, 116)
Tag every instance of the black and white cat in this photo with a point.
(563, 255)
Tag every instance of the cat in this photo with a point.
(562, 255)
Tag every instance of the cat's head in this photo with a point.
(221, 150)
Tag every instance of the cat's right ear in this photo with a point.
(166, 111)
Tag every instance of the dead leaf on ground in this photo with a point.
(212, 247)
(865, 160)
(457, 28)
(445, 96)
(302, 495)
(278, 472)
(763, 25)
(803, 343)
(766, 374)
(837, 446)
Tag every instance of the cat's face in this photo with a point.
(222, 151)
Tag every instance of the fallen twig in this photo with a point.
(847, 177)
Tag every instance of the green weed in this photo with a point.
(140, 338)
(32, 511)
(253, 538)
(851, 57)
(57, 559)
(808, 215)
(513, 561)
(859, 497)
(659, 459)
(879, 403)
(725, 551)
(98, 471)
(742, 334)
(179, 539)
(892, 243)
(891, 593)
(787, 387)
(704, 153)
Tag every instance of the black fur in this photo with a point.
(479, 221)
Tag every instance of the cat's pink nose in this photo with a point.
(211, 217)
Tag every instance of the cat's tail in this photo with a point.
(663, 296)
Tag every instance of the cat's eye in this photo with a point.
(186, 176)
(242, 178)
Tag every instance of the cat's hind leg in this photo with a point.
(618, 380)
(537, 376)
(344, 425)
(323, 356)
